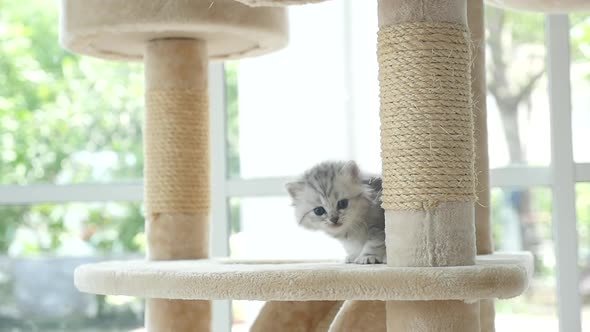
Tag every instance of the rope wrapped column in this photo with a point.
(176, 144)
(427, 151)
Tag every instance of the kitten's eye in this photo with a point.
(342, 204)
(319, 211)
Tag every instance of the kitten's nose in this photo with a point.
(334, 219)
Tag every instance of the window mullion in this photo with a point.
(219, 200)
(53, 193)
(564, 213)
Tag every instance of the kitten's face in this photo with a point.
(330, 197)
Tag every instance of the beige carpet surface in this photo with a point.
(494, 276)
(120, 29)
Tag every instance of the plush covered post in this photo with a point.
(419, 316)
(287, 316)
(427, 151)
(360, 316)
(176, 170)
(487, 315)
(485, 245)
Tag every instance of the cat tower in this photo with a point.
(442, 273)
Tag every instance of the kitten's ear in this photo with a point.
(351, 169)
(294, 188)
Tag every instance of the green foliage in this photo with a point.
(64, 119)
(11, 217)
(525, 27)
(60, 113)
(71, 119)
(580, 37)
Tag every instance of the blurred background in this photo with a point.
(70, 124)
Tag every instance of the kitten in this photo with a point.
(336, 198)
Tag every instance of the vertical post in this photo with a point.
(484, 242)
(176, 150)
(476, 19)
(562, 162)
(427, 151)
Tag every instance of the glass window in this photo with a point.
(334, 112)
(244, 314)
(40, 246)
(297, 107)
(232, 119)
(63, 118)
(522, 221)
(267, 229)
(517, 101)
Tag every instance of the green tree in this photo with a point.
(63, 119)
(511, 85)
(70, 119)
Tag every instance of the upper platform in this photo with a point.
(547, 6)
(494, 276)
(119, 29)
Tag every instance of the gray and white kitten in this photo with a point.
(334, 197)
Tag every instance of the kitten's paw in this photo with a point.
(350, 259)
(368, 259)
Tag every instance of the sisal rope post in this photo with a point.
(427, 142)
(176, 170)
(427, 152)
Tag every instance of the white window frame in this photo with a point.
(561, 177)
